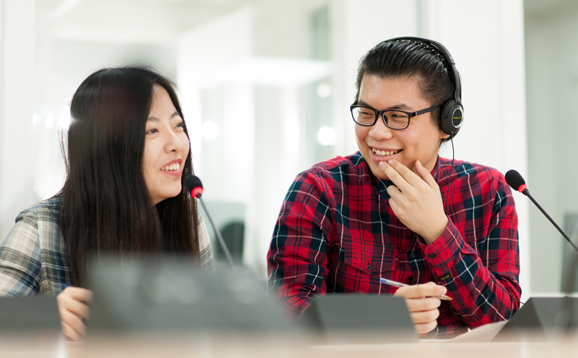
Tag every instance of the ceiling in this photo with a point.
(135, 21)
(161, 21)
(141, 21)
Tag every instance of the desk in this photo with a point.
(451, 350)
(144, 346)
(270, 346)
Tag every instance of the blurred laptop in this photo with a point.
(356, 318)
(30, 326)
(171, 294)
(37, 313)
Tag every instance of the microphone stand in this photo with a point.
(527, 193)
(566, 315)
(217, 234)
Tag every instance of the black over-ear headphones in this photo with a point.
(453, 111)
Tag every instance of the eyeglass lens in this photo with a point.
(366, 116)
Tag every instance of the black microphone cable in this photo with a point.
(450, 173)
(195, 188)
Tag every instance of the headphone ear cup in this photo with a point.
(452, 117)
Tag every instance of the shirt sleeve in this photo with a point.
(205, 250)
(297, 258)
(481, 277)
(20, 260)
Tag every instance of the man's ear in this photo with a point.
(443, 136)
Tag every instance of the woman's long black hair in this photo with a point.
(105, 206)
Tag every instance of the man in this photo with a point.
(398, 211)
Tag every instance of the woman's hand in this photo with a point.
(423, 302)
(416, 199)
(73, 308)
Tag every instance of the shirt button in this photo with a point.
(412, 255)
(368, 267)
(432, 256)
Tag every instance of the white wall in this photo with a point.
(486, 40)
(552, 78)
(39, 72)
(358, 25)
(17, 98)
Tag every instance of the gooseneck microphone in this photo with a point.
(515, 180)
(565, 316)
(195, 187)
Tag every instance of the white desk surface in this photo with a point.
(197, 345)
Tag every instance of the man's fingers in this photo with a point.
(405, 172)
(425, 174)
(422, 304)
(429, 289)
(425, 327)
(398, 170)
(425, 317)
(395, 176)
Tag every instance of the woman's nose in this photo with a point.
(173, 143)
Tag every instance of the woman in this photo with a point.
(128, 155)
(396, 210)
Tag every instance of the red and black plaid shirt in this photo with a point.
(336, 233)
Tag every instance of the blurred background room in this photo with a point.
(266, 86)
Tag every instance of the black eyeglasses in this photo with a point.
(393, 118)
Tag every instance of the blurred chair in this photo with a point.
(233, 234)
(569, 255)
(229, 218)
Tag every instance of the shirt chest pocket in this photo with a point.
(368, 256)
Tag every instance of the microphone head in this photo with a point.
(515, 180)
(194, 186)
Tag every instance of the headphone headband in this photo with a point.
(453, 111)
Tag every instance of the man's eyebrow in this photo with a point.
(401, 106)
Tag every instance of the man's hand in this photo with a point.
(73, 308)
(416, 199)
(423, 302)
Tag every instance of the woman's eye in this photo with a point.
(151, 131)
(181, 125)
